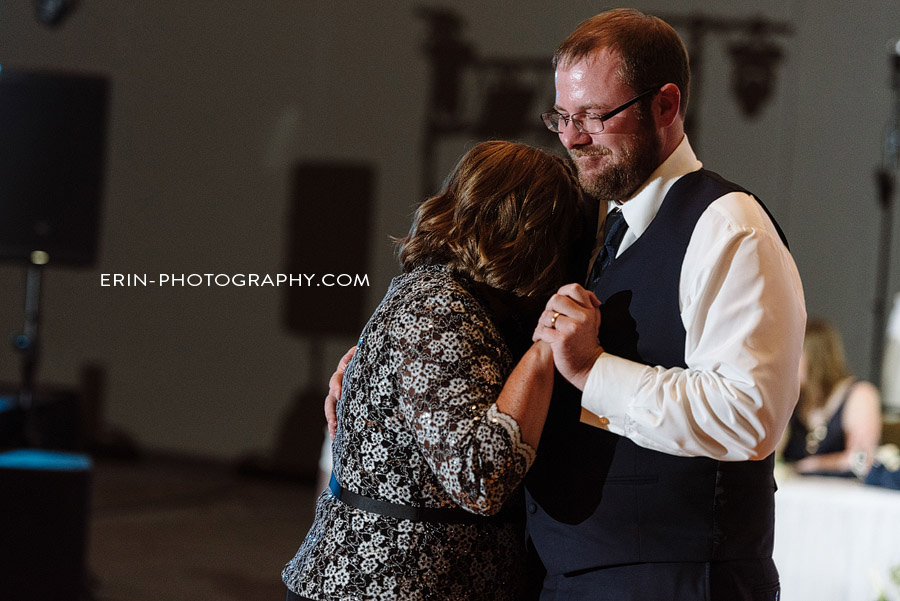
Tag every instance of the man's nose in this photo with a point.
(570, 136)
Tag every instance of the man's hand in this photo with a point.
(570, 323)
(334, 392)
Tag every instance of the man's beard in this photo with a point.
(630, 167)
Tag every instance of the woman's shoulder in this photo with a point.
(861, 405)
(863, 393)
(437, 289)
(435, 302)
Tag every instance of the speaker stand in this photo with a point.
(27, 345)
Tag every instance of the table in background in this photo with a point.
(836, 539)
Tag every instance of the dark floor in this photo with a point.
(160, 528)
(164, 530)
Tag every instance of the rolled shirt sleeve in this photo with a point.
(743, 310)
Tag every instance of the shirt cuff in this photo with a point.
(610, 389)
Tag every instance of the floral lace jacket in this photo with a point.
(418, 425)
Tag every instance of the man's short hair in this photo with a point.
(651, 52)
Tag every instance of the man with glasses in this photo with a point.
(654, 474)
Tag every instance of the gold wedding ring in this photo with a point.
(553, 319)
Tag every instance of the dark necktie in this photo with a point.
(615, 228)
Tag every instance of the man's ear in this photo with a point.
(666, 104)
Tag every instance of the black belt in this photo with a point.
(444, 515)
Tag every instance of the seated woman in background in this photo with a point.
(836, 426)
(435, 428)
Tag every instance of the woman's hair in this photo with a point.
(651, 52)
(826, 365)
(508, 216)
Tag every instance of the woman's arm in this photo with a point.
(476, 420)
(526, 395)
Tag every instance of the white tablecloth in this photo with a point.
(836, 539)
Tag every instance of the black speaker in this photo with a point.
(55, 416)
(329, 237)
(44, 506)
(52, 145)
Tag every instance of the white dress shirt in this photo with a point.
(742, 306)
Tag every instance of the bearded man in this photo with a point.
(654, 476)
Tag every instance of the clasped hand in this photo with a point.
(570, 324)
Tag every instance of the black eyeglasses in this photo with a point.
(589, 123)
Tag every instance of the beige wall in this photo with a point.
(214, 102)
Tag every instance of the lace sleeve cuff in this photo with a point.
(512, 428)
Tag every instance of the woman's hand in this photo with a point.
(334, 392)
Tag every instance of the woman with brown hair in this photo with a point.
(836, 426)
(435, 428)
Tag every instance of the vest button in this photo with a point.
(532, 508)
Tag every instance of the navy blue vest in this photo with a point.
(597, 499)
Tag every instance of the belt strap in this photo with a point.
(445, 515)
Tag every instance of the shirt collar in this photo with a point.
(641, 208)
